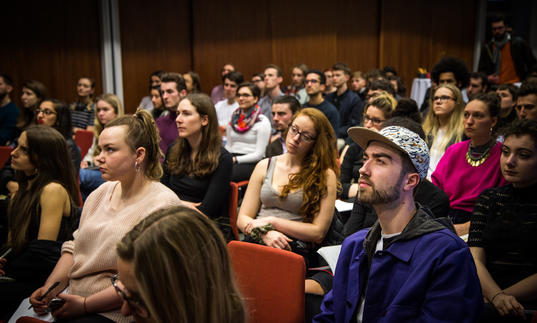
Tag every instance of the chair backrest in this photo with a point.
(84, 140)
(5, 153)
(233, 205)
(27, 319)
(271, 282)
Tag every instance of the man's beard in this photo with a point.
(380, 196)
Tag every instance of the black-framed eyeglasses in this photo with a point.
(136, 305)
(244, 95)
(46, 112)
(375, 121)
(443, 98)
(293, 130)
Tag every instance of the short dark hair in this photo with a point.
(492, 101)
(389, 69)
(520, 128)
(158, 74)
(276, 67)
(7, 79)
(342, 67)
(253, 88)
(498, 18)
(483, 77)
(261, 75)
(453, 65)
(317, 72)
(234, 76)
(527, 88)
(175, 78)
(294, 104)
(38, 88)
(511, 88)
(384, 85)
(407, 108)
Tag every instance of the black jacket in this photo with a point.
(523, 59)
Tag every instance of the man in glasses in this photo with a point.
(315, 86)
(505, 58)
(526, 104)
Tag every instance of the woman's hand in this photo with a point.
(508, 305)
(73, 307)
(40, 306)
(83, 164)
(276, 239)
(256, 223)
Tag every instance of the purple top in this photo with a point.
(167, 129)
(462, 182)
(217, 94)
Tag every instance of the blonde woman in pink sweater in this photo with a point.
(129, 161)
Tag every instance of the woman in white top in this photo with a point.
(248, 133)
(443, 124)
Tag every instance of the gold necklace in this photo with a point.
(476, 162)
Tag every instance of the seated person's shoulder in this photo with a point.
(53, 188)
(442, 239)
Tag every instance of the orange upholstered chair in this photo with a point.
(84, 140)
(5, 153)
(233, 205)
(271, 282)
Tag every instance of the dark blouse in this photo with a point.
(504, 223)
(212, 190)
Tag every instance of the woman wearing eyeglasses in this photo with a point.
(42, 214)
(56, 114)
(469, 167)
(375, 113)
(174, 267)
(443, 123)
(290, 198)
(129, 162)
(248, 133)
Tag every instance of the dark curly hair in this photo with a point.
(455, 66)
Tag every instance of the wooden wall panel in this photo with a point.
(154, 36)
(230, 32)
(420, 33)
(53, 42)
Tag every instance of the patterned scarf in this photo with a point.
(242, 122)
(497, 51)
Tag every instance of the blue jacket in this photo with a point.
(426, 274)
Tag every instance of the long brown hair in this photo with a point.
(142, 132)
(51, 167)
(182, 268)
(206, 160)
(312, 175)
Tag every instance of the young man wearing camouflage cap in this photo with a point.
(407, 267)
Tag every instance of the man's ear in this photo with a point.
(182, 93)
(412, 180)
(280, 80)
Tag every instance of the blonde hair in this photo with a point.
(182, 268)
(455, 127)
(98, 127)
(385, 103)
(142, 132)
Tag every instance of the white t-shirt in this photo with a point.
(224, 110)
(435, 153)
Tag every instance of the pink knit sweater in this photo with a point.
(462, 182)
(101, 228)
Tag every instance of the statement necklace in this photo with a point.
(476, 156)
